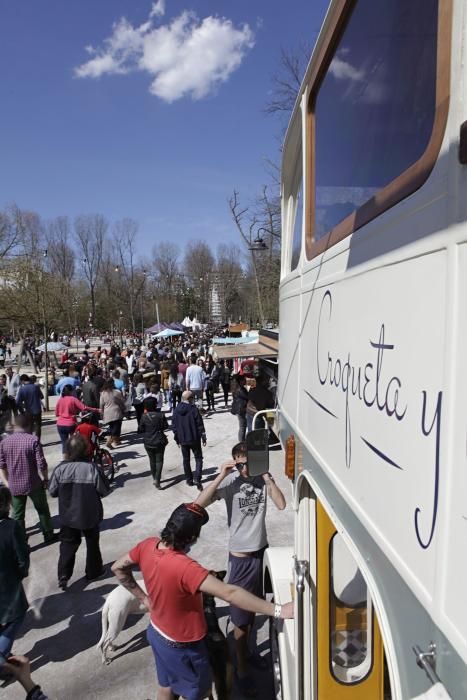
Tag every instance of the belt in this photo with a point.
(172, 643)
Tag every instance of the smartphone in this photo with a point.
(257, 452)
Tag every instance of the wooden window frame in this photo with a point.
(416, 174)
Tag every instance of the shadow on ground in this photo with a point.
(117, 521)
(120, 479)
(82, 607)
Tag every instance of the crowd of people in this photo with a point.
(170, 387)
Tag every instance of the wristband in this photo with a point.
(277, 611)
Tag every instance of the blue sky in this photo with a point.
(159, 121)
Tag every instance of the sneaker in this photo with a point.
(157, 485)
(63, 583)
(198, 485)
(189, 482)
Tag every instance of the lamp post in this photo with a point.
(258, 245)
(75, 308)
(120, 314)
(46, 387)
(145, 272)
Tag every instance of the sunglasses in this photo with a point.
(241, 465)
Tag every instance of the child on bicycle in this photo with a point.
(89, 431)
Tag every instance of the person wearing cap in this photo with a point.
(175, 584)
(246, 501)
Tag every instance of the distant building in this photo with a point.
(215, 308)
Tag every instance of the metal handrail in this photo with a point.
(301, 570)
(260, 413)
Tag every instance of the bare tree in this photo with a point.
(125, 234)
(258, 222)
(111, 287)
(61, 262)
(9, 231)
(166, 265)
(168, 283)
(28, 295)
(287, 80)
(90, 234)
(229, 280)
(199, 267)
(247, 224)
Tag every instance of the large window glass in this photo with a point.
(375, 108)
(297, 207)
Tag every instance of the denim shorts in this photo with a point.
(181, 666)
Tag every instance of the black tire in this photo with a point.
(275, 660)
(105, 463)
(274, 646)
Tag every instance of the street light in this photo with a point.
(44, 255)
(120, 314)
(145, 272)
(75, 307)
(258, 245)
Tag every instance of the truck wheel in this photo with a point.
(275, 659)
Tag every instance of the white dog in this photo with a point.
(118, 605)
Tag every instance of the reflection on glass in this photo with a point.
(297, 228)
(375, 108)
(349, 616)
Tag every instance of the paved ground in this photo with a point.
(62, 629)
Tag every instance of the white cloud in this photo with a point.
(118, 55)
(158, 9)
(343, 70)
(184, 57)
(365, 84)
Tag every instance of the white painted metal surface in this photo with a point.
(373, 377)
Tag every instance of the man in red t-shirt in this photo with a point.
(175, 584)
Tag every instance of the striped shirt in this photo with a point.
(21, 456)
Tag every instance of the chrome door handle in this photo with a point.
(427, 661)
(301, 571)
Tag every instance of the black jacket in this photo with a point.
(152, 426)
(90, 394)
(79, 487)
(187, 424)
(14, 558)
(240, 400)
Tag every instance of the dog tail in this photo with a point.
(105, 626)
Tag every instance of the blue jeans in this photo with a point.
(65, 431)
(7, 637)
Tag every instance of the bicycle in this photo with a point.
(105, 462)
(100, 456)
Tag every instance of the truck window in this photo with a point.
(374, 111)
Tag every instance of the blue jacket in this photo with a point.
(72, 381)
(187, 424)
(28, 398)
